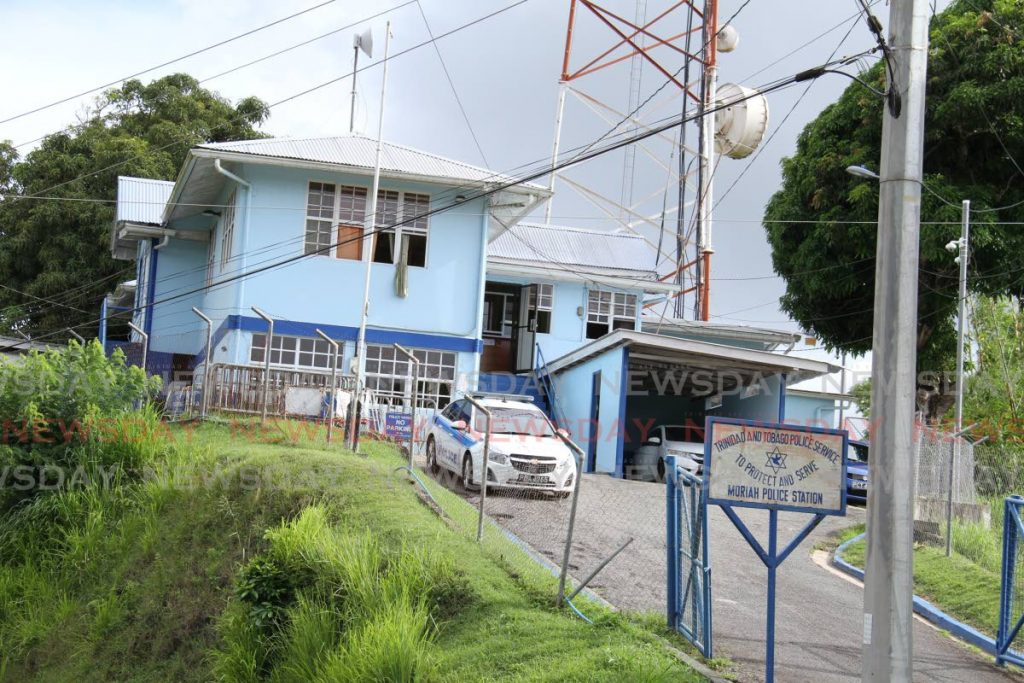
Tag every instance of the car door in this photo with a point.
(446, 436)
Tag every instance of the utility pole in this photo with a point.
(888, 579)
(369, 225)
(962, 246)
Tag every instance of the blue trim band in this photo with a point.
(346, 333)
(966, 633)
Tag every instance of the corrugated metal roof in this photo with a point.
(141, 200)
(360, 152)
(608, 252)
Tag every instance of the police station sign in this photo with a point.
(765, 465)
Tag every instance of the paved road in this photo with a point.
(819, 613)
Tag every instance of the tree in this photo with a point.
(822, 224)
(56, 204)
(994, 392)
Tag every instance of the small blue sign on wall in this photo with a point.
(398, 426)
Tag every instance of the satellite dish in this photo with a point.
(728, 38)
(364, 41)
(740, 126)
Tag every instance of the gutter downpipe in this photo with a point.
(244, 245)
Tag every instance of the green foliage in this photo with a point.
(69, 418)
(861, 393)
(821, 224)
(50, 246)
(139, 583)
(993, 395)
(333, 605)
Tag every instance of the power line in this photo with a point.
(163, 64)
(298, 94)
(451, 84)
(458, 202)
(255, 61)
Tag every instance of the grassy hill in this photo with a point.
(243, 555)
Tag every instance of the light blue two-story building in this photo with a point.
(485, 299)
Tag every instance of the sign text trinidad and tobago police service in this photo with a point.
(775, 466)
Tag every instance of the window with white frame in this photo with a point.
(542, 299)
(331, 208)
(402, 225)
(293, 352)
(607, 311)
(227, 236)
(388, 375)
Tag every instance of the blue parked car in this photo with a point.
(857, 472)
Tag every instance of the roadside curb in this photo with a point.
(957, 629)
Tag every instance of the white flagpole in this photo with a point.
(369, 225)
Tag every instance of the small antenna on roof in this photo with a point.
(360, 41)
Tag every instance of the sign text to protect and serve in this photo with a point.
(775, 466)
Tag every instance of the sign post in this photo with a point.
(774, 466)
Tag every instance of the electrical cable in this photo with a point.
(163, 64)
(451, 83)
(292, 97)
(484, 193)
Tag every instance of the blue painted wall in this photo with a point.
(811, 411)
(444, 298)
(175, 328)
(573, 388)
(568, 327)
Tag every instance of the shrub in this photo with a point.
(329, 605)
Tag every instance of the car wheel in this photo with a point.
(661, 469)
(467, 473)
(432, 465)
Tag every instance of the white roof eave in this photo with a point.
(796, 369)
(565, 273)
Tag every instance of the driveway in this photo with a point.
(818, 613)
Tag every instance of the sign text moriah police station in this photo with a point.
(776, 466)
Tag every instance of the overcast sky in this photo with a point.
(505, 70)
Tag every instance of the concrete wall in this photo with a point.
(811, 411)
(175, 328)
(573, 389)
(568, 327)
(444, 298)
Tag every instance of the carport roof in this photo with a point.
(689, 351)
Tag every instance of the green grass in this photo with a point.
(142, 583)
(956, 585)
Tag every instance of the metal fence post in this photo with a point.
(145, 342)
(207, 362)
(672, 542)
(562, 575)
(78, 337)
(487, 458)
(415, 389)
(334, 380)
(266, 360)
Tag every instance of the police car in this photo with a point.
(526, 451)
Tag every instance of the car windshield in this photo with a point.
(681, 434)
(858, 452)
(516, 421)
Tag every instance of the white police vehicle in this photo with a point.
(526, 451)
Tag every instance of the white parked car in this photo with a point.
(526, 452)
(649, 459)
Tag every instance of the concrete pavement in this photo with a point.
(819, 613)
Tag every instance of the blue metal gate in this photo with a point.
(1011, 600)
(689, 569)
